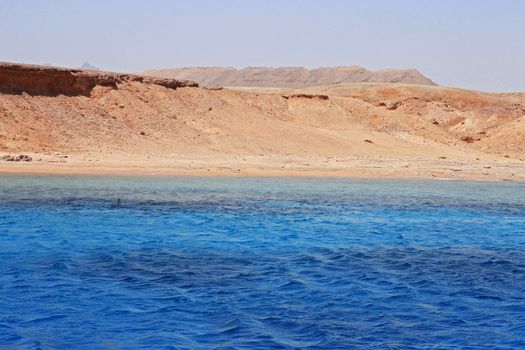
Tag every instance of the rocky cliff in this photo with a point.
(52, 81)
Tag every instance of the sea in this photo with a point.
(150, 262)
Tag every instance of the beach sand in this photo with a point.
(367, 167)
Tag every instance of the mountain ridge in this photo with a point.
(290, 77)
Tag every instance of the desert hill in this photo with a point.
(116, 120)
(87, 66)
(292, 77)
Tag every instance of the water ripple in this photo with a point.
(258, 264)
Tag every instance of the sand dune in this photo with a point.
(347, 129)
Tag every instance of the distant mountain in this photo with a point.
(87, 66)
(294, 77)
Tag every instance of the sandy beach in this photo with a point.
(490, 169)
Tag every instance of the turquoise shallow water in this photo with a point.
(231, 263)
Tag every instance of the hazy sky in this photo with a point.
(466, 43)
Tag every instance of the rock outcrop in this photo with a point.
(292, 77)
(51, 81)
(310, 96)
(19, 158)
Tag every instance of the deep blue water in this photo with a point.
(229, 263)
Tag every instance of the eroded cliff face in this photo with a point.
(51, 81)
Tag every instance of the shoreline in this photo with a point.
(315, 166)
(98, 170)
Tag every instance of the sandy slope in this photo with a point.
(341, 130)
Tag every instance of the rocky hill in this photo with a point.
(87, 66)
(293, 77)
(109, 120)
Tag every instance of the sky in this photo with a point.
(477, 44)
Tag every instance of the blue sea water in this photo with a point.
(258, 263)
